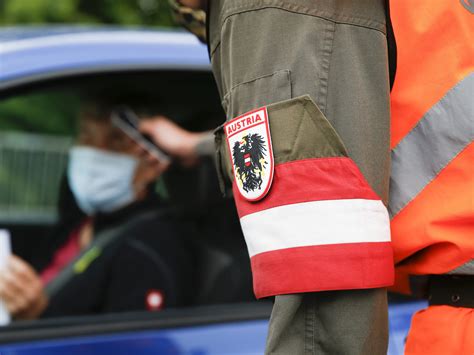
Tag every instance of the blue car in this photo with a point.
(170, 66)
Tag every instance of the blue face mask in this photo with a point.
(101, 181)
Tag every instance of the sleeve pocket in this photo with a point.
(300, 130)
(241, 98)
(257, 92)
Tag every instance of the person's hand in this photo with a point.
(173, 139)
(148, 170)
(21, 290)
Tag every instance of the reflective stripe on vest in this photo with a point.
(432, 102)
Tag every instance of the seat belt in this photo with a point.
(94, 251)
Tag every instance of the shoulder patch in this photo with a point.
(249, 141)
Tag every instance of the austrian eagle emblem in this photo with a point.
(249, 142)
(249, 161)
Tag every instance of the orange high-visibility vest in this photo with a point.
(432, 102)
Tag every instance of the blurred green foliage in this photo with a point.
(49, 112)
(45, 112)
(112, 12)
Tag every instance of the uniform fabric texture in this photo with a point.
(336, 322)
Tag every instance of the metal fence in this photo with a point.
(31, 167)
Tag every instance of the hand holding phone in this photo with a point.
(125, 119)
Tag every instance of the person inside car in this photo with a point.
(115, 248)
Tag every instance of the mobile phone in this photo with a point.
(124, 118)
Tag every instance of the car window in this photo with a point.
(39, 127)
(36, 131)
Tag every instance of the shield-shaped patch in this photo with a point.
(250, 147)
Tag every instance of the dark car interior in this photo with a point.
(221, 265)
